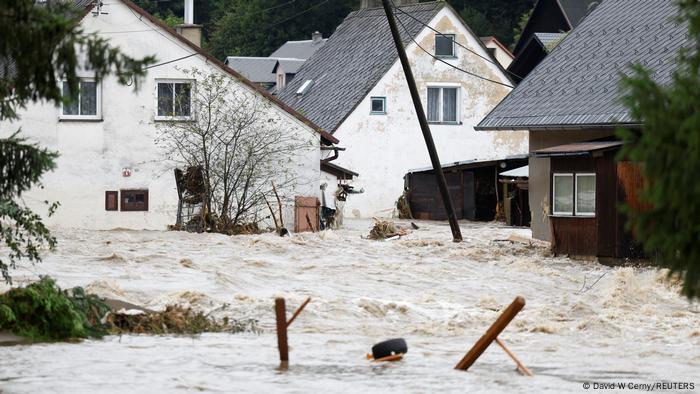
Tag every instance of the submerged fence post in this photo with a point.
(281, 314)
(491, 334)
(282, 325)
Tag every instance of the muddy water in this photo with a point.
(583, 322)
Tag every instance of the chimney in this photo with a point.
(188, 29)
(378, 3)
(316, 37)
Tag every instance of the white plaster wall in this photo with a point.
(93, 154)
(503, 58)
(383, 148)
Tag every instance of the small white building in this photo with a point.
(355, 87)
(110, 172)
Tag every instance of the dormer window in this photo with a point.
(445, 45)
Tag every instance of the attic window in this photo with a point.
(378, 106)
(445, 45)
(305, 87)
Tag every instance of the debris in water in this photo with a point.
(175, 320)
(385, 230)
(187, 263)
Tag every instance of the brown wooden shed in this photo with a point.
(473, 186)
(587, 185)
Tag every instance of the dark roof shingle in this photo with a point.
(351, 62)
(577, 84)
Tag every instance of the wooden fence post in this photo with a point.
(491, 334)
(281, 314)
(282, 325)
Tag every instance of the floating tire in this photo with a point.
(389, 348)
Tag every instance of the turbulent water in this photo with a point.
(583, 322)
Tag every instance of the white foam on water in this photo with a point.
(583, 321)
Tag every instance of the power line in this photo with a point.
(454, 41)
(171, 61)
(442, 60)
(296, 15)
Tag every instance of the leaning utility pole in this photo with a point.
(437, 167)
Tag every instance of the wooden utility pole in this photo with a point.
(425, 127)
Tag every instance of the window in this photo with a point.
(378, 105)
(573, 198)
(281, 81)
(134, 200)
(443, 104)
(111, 201)
(585, 194)
(174, 100)
(86, 106)
(445, 45)
(563, 191)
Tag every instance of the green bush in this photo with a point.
(42, 311)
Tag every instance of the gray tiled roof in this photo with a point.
(575, 10)
(298, 49)
(577, 84)
(549, 40)
(353, 60)
(261, 69)
(256, 69)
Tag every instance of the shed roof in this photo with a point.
(577, 84)
(577, 149)
(520, 172)
(299, 49)
(351, 63)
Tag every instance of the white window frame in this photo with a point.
(98, 103)
(586, 214)
(180, 118)
(453, 38)
(570, 175)
(442, 87)
(371, 100)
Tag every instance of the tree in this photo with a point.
(668, 146)
(258, 27)
(240, 145)
(43, 44)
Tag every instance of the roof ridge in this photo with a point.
(211, 59)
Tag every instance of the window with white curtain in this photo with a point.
(563, 194)
(573, 194)
(443, 104)
(585, 194)
(86, 106)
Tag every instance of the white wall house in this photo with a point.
(355, 87)
(107, 143)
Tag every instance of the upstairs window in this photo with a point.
(445, 45)
(378, 106)
(86, 106)
(174, 100)
(443, 105)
